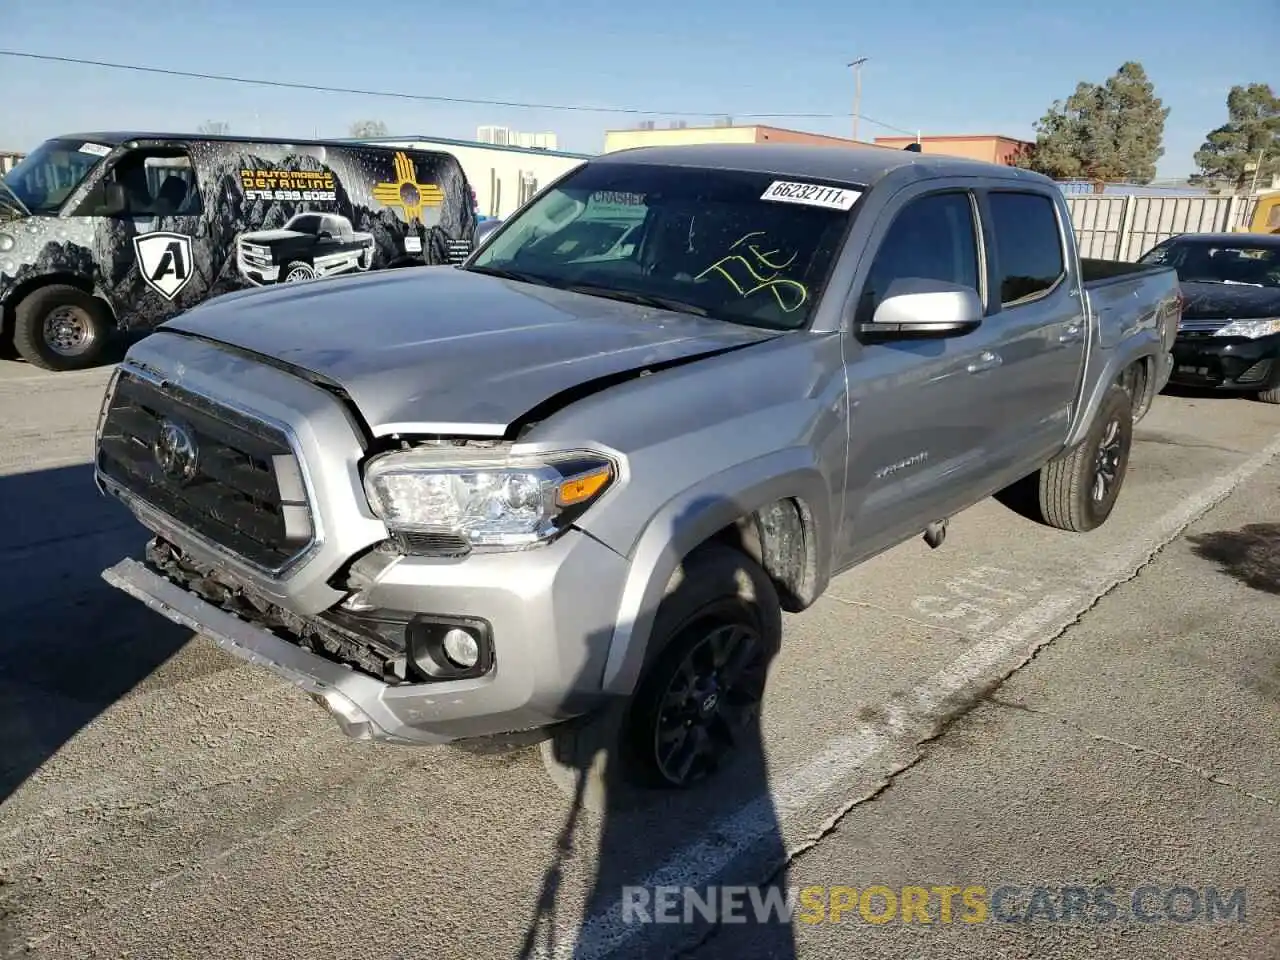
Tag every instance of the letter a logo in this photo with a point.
(164, 260)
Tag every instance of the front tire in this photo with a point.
(60, 327)
(297, 272)
(1078, 489)
(1270, 395)
(696, 707)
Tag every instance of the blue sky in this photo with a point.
(991, 66)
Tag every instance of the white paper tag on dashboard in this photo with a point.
(412, 244)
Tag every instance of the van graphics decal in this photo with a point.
(164, 261)
(238, 207)
(407, 193)
(310, 245)
(316, 186)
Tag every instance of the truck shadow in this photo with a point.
(1250, 555)
(71, 646)
(666, 859)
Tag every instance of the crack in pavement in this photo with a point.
(1202, 772)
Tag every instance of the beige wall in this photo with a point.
(990, 149)
(626, 139)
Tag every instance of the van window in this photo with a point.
(933, 237)
(1028, 245)
(157, 183)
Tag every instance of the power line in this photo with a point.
(398, 95)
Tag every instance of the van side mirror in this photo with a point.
(113, 201)
(915, 307)
(484, 230)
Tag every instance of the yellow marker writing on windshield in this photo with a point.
(790, 294)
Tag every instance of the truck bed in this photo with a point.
(1125, 297)
(1099, 273)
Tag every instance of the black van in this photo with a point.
(125, 230)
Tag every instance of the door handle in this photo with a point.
(1071, 334)
(986, 361)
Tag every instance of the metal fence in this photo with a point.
(1126, 227)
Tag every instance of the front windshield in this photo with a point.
(46, 177)
(1200, 261)
(735, 246)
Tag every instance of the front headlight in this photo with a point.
(488, 498)
(1250, 328)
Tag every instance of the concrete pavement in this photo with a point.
(164, 800)
(1140, 749)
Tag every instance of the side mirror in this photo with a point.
(914, 307)
(113, 201)
(484, 230)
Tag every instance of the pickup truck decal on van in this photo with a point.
(310, 245)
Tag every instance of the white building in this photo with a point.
(506, 137)
(503, 177)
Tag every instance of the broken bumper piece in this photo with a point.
(354, 700)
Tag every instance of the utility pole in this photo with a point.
(1253, 188)
(857, 91)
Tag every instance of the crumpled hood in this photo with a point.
(1228, 301)
(442, 350)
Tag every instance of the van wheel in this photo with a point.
(297, 272)
(60, 327)
(696, 708)
(1078, 489)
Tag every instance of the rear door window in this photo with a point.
(1028, 246)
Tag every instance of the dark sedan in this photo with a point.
(1229, 337)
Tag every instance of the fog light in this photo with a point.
(449, 648)
(461, 648)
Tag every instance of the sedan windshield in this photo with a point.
(747, 248)
(46, 177)
(1203, 261)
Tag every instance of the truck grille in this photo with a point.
(233, 480)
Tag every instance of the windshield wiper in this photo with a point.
(516, 275)
(644, 299)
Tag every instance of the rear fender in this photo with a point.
(1107, 368)
(692, 518)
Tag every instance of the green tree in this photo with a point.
(367, 129)
(1248, 144)
(1108, 131)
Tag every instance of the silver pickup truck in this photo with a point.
(564, 498)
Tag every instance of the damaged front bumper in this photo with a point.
(548, 618)
(353, 699)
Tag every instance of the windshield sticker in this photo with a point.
(317, 186)
(811, 194)
(93, 149)
(790, 294)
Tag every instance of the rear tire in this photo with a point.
(1078, 489)
(716, 632)
(1270, 395)
(60, 327)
